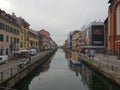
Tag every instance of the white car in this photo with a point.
(33, 51)
(3, 58)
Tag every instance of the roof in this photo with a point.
(8, 17)
(33, 31)
(42, 30)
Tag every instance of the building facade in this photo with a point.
(33, 39)
(9, 34)
(76, 36)
(24, 37)
(93, 38)
(45, 41)
(70, 40)
(113, 38)
(44, 33)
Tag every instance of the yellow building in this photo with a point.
(24, 38)
(76, 36)
(9, 34)
(46, 44)
(33, 39)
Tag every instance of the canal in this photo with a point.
(60, 73)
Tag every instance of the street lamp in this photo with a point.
(29, 55)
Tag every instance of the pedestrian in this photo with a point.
(29, 59)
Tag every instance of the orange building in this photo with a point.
(113, 36)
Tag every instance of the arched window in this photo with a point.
(118, 19)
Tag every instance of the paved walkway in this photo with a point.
(12, 63)
(113, 60)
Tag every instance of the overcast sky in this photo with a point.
(58, 17)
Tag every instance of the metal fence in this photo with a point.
(101, 64)
(4, 75)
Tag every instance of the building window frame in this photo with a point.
(1, 37)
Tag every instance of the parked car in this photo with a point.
(3, 59)
(33, 52)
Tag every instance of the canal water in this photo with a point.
(61, 73)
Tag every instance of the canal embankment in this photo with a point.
(107, 70)
(11, 76)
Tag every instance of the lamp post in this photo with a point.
(29, 55)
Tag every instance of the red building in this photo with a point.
(113, 36)
(44, 33)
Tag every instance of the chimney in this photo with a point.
(13, 14)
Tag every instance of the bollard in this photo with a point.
(112, 68)
(11, 71)
(18, 67)
(1, 76)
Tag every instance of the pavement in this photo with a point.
(16, 62)
(112, 60)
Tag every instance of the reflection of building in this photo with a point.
(93, 38)
(113, 38)
(9, 33)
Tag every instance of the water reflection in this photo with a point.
(24, 84)
(65, 72)
(93, 80)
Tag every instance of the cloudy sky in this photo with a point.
(58, 17)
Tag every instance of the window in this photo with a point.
(2, 26)
(7, 28)
(17, 40)
(1, 37)
(7, 38)
(118, 19)
(11, 30)
(11, 40)
(14, 40)
(21, 37)
(21, 44)
(1, 51)
(17, 32)
(14, 31)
